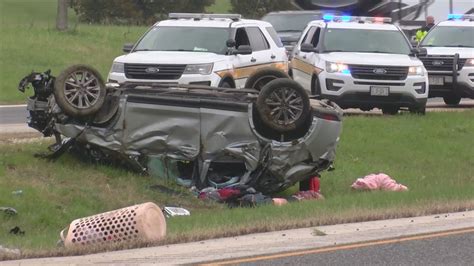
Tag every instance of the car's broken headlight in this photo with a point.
(118, 67)
(203, 69)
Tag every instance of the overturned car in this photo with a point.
(268, 139)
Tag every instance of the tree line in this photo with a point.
(145, 12)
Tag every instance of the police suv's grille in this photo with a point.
(378, 72)
(441, 63)
(149, 71)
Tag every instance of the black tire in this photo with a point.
(73, 94)
(392, 110)
(263, 76)
(316, 87)
(289, 99)
(418, 110)
(226, 84)
(452, 99)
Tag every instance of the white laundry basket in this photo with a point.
(143, 222)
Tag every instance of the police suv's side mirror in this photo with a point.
(307, 48)
(419, 52)
(230, 43)
(422, 52)
(243, 49)
(127, 48)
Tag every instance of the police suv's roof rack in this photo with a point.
(460, 17)
(199, 16)
(332, 18)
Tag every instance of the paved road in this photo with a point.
(456, 249)
(17, 114)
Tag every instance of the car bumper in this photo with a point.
(350, 92)
(197, 79)
(462, 86)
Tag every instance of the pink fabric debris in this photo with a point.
(378, 182)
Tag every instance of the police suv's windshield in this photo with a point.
(365, 41)
(450, 37)
(290, 22)
(187, 39)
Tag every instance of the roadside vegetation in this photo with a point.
(30, 42)
(432, 155)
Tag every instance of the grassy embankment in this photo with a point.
(432, 155)
(30, 42)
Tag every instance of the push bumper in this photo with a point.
(448, 83)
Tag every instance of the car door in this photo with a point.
(242, 62)
(304, 63)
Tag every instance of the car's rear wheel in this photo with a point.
(80, 91)
(263, 76)
(283, 105)
(452, 99)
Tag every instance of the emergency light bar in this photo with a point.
(460, 17)
(199, 16)
(329, 17)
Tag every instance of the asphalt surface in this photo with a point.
(13, 114)
(446, 250)
(18, 115)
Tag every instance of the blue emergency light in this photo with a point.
(346, 18)
(455, 16)
(328, 17)
(461, 17)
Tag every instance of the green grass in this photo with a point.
(30, 42)
(432, 155)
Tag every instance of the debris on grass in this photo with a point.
(142, 222)
(317, 232)
(9, 211)
(379, 181)
(17, 231)
(10, 251)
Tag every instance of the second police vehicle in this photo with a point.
(450, 59)
(361, 62)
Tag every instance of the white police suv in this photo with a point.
(450, 59)
(361, 62)
(203, 49)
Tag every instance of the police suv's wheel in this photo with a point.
(316, 87)
(283, 105)
(80, 91)
(419, 110)
(452, 99)
(263, 76)
(392, 110)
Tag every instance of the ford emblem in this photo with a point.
(438, 63)
(152, 70)
(380, 71)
